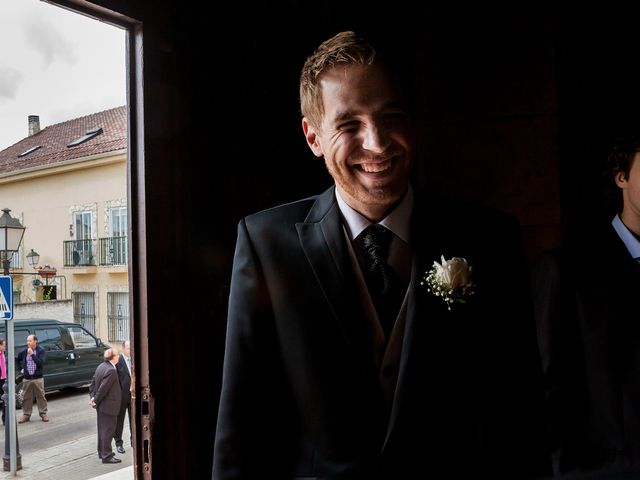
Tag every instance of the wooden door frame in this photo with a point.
(141, 397)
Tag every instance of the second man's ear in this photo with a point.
(313, 139)
(621, 179)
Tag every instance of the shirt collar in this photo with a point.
(398, 220)
(629, 240)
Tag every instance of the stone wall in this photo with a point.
(51, 309)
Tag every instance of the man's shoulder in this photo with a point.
(286, 214)
(102, 368)
(121, 366)
(286, 210)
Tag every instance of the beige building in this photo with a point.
(67, 185)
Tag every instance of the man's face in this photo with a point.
(3, 346)
(127, 349)
(631, 193)
(31, 343)
(364, 135)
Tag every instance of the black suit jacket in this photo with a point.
(124, 377)
(588, 318)
(301, 396)
(105, 389)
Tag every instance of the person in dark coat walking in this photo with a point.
(124, 376)
(106, 398)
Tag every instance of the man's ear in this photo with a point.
(313, 139)
(621, 179)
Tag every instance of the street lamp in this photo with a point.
(11, 232)
(33, 258)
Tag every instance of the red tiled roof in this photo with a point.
(54, 139)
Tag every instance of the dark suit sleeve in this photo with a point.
(92, 386)
(252, 433)
(558, 339)
(39, 357)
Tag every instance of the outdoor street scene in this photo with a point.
(64, 247)
(65, 447)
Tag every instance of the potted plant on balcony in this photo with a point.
(47, 271)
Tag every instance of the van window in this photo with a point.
(50, 339)
(81, 338)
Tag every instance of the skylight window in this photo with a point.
(87, 136)
(31, 150)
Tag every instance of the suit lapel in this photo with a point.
(322, 239)
(426, 328)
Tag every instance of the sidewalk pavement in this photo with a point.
(74, 460)
(125, 473)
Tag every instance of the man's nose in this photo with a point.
(375, 139)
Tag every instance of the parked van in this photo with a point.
(72, 353)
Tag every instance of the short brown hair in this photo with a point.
(620, 159)
(345, 47)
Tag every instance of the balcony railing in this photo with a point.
(79, 253)
(82, 253)
(113, 251)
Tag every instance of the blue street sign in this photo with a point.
(6, 298)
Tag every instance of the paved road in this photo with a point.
(65, 447)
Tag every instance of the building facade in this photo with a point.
(67, 184)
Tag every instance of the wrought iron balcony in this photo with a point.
(113, 251)
(79, 253)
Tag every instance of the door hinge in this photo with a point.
(147, 416)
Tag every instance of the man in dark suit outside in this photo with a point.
(350, 354)
(589, 332)
(124, 376)
(106, 398)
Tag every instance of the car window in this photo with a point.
(50, 339)
(20, 339)
(81, 338)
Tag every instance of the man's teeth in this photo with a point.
(375, 167)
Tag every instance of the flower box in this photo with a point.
(47, 272)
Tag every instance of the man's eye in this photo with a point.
(349, 126)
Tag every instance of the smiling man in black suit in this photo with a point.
(339, 364)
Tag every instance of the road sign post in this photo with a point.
(12, 460)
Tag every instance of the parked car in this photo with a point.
(73, 353)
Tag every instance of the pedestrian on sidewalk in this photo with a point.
(106, 398)
(124, 376)
(31, 362)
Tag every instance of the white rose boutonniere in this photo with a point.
(450, 280)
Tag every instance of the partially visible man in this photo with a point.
(589, 334)
(31, 362)
(124, 376)
(106, 398)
